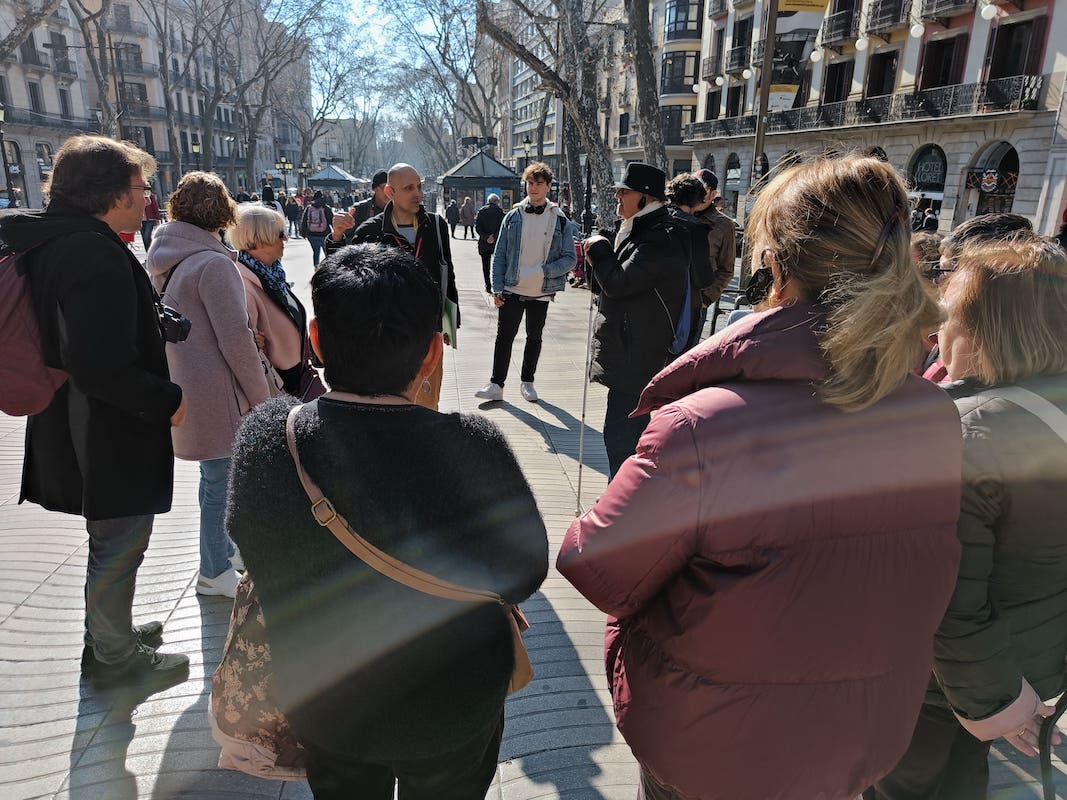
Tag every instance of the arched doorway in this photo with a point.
(732, 184)
(991, 182)
(926, 176)
(15, 171)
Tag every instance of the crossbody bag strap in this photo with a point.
(441, 258)
(1037, 405)
(328, 517)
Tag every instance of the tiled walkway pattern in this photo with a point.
(59, 739)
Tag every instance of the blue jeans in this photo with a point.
(215, 545)
(316, 240)
(116, 549)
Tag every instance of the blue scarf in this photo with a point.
(272, 277)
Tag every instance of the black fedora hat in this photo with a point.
(644, 178)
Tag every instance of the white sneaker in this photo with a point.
(490, 392)
(529, 393)
(236, 561)
(224, 585)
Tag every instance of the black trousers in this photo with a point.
(487, 265)
(462, 774)
(943, 762)
(621, 433)
(508, 318)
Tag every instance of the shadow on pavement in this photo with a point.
(562, 438)
(555, 727)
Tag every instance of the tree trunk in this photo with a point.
(648, 112)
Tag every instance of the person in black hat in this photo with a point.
(641, 281)
(373, 205)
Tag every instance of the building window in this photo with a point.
(713, 104)
(735, 100)
(674, 120)
(44, 159)
(4, 94)
(942, 62)
(718, 51)
(684, 19)
(837, 83)
(882, 73)
(64, 103)
(33, 90)
(1017, 49)
(679, 72)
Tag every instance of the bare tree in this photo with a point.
(429, 115)
(648, 113)
(442, 38)
(573, 79)
(29, 14)
(92, 22)
(335, 64)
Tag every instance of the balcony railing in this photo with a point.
(127, 26)
(840, 27)
(1018, 93)
(24, 116)
(937, 9)
(627, 140)
(136, 68)
(710, 67)
(888, 15)
(65, 66)
(738, 58)
(33, 58)
(717, 8)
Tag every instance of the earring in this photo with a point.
(425, 386)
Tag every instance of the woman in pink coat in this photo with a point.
(776, 556)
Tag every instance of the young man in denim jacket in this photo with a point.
(533, 254)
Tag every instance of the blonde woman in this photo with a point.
(274, 312)
(777, 555)
(218, 366)
(999, 653)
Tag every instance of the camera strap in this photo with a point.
(166, 281)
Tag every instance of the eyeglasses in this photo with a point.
(146, 189)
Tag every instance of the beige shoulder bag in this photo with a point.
(326, 515)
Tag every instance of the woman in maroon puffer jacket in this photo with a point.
(778, 553)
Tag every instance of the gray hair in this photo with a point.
(493, 198)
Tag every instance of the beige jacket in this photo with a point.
(284, 342)
(218, 366)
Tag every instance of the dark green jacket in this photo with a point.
(1008, 616)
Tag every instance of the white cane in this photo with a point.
(585, 395)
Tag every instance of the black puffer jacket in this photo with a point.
(635, 326)
(1008, 616)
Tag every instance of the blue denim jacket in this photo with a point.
(561, 256)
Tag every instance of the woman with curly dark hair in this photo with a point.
(219, 366)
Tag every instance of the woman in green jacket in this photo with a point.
(999, 653)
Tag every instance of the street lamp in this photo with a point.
(304, 169)
(196, 152)
(526, 148)
(284, 166)
(11, 202)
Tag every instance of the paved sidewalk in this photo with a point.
(59, 739)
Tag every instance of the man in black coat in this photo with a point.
(375, 204)
(642, 282)
(487, 224)
(406, 224)
(102, 448)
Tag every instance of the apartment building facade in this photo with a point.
(964, 97)
(49, 94)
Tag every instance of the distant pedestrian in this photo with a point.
(373, 205)
(467, 217)
(152, 218)
(930, 220)
(270, 201)
(293, 213)
(315, 225)
(102, 449)
(530, 264)
(487, 223)
(242, 195)
(452, 215)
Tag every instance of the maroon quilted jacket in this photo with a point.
(774, 569)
